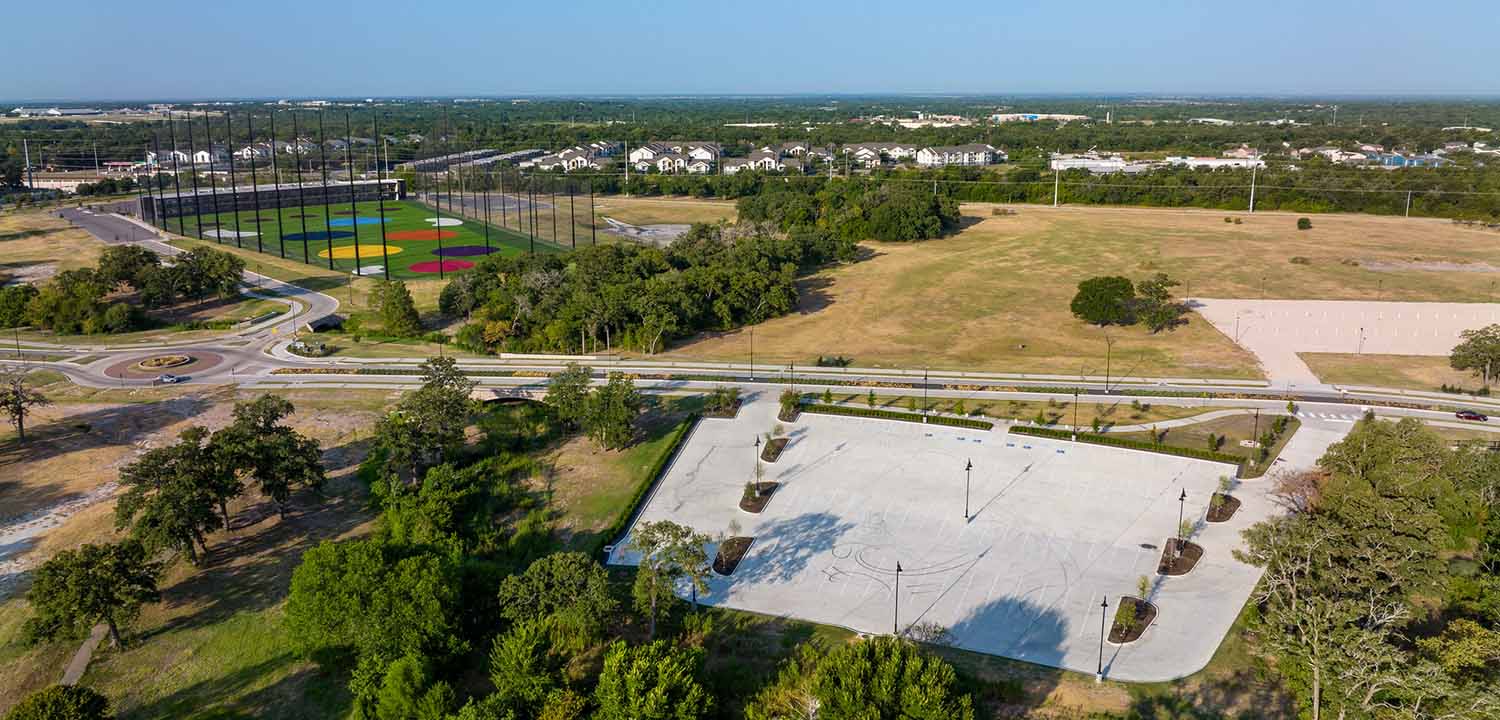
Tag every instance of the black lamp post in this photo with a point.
(1075, 413)
(1103, 611)
(1109, 346)
(968, 470)
(896, 617)
(1181, 504)
(924, 394)
(757, 465)
(1255, 434)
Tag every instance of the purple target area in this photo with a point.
(352, 221)
(319, 235)
(463, 251)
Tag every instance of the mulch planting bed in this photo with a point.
(784, 417)
(1179, 557)
(1145, 614)
(724, 413)
(752, 503)
(1222, 508)
(731, 551)
(773, 449)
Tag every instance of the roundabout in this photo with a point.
(148, 367)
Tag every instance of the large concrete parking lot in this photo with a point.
(1056, 527)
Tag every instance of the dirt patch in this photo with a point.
(29, 273)
(730, 553)
(1428, 266)
(1179, 557)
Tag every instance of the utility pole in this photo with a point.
(1056, 183)
(1408, 203)
(30, 179)
(1252, 188)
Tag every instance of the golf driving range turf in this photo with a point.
(415, 243)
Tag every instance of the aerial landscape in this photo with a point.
(846, 361)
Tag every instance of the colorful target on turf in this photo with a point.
(445, 222)
(432, 266)
(346, 252)
(352, 221)
(421, 235)
(463, 251)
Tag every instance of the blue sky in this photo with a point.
(104, 49)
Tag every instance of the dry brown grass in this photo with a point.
(995, 296)
(1415, 372)
(659, 210)
(35, 244)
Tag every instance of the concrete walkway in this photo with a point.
(80, 662)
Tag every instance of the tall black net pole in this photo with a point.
(234, 188)
(160, 211)
(438, 226)
(193, 164)
(323, 170)
(515, 189)
(276, 189)
(255, 178)
(593, 226)
(504, 211)
(531, 203)
(552, 193)
(572, 217)
(385, 256)
(301, 199)
(353, 205)
(489, 179)
(213, 184)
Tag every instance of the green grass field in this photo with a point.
(346, 238)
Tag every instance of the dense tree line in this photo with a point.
(854, 211)
(92, 300)
(626, 295)
(1381, 596)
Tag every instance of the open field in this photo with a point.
(659, 210)
(345, 238)
(1233, 430)
(35, 245)
(995, 296)
(1414, 372)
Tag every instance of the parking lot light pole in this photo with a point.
(924, 394)
(1103, 611)
(1075, 414)
(757, 465)
(968, 470)
(1181, 505)
(896, 616)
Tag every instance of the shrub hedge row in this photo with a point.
(382, 371)
(1128, 443)
(893, 415)
(613, 532)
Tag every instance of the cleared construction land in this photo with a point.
(996, 295)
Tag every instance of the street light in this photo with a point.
(1109, 345)
(924, 393)
(896, 617)
(968, 470)
(1181, 506)
(1075, 413)
(1103, 611)
(757, 465)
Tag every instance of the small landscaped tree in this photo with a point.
(612, 409)
(77, 589)
(18, 400)
(1105, 301)
(870, 399)
(789, 401)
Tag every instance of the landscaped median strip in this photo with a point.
(1127, 443)
(893, 415)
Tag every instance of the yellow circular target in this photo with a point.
(346, 252)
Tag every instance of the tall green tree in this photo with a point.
(258, 446)
(1105, 301)
(1155, 304)
(668, 552)
(569, 586)
(612, 409)
(655, 681)
(568, 394)
(76, 589)
(1478, 352)
(175, 495)
(427, 426)
(398, 312)
(18, 400)
(880, 678)
(523, 668)
(62, 702)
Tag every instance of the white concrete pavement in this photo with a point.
(1055, 527)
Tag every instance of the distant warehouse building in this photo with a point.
(1098, 164)
(1217, 162)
